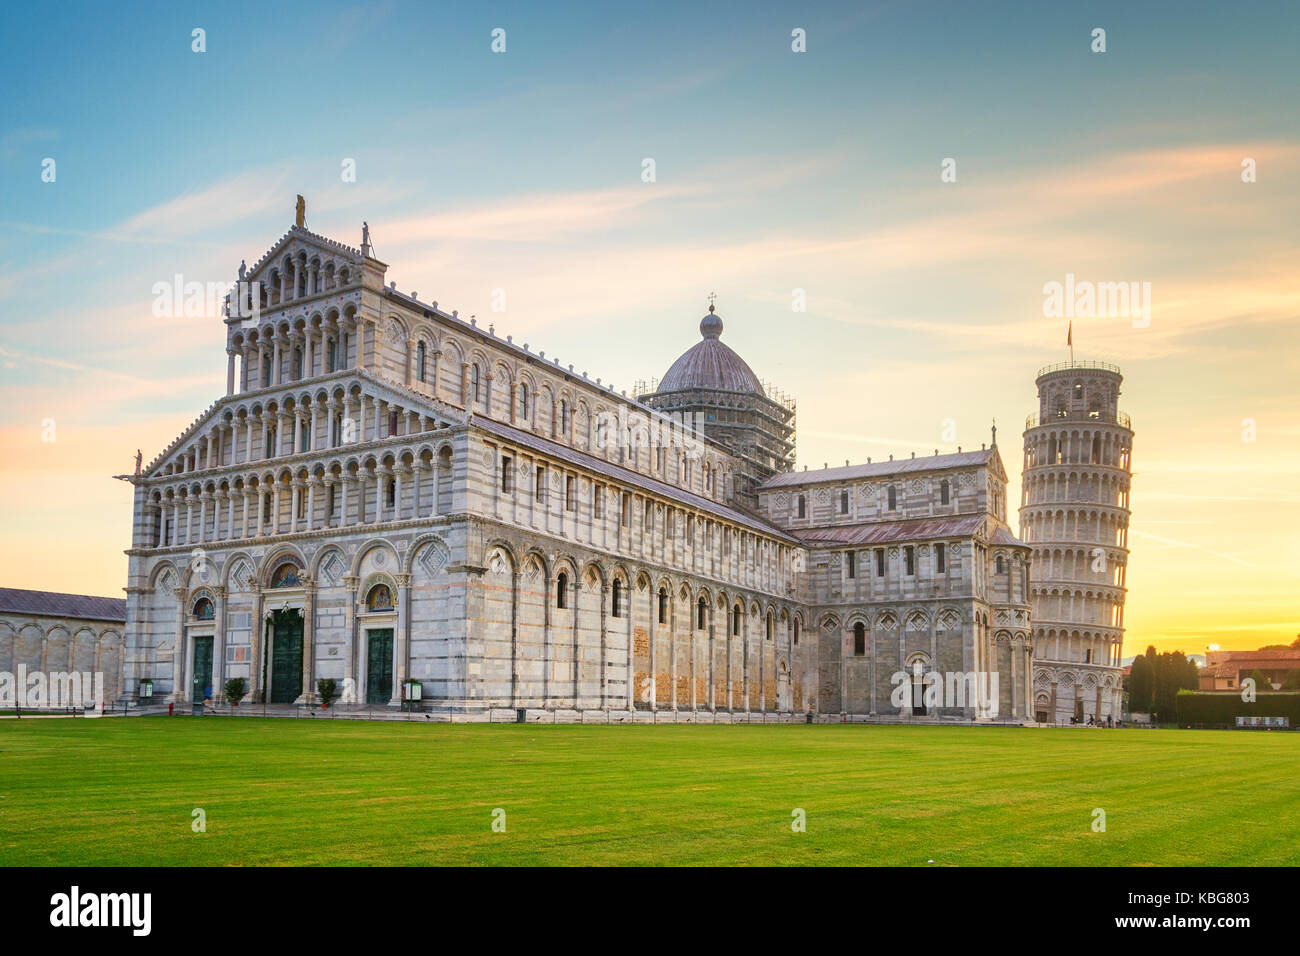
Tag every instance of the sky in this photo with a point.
(774, 171)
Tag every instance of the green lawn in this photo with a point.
(121, 791)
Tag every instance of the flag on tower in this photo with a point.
(1069, 339)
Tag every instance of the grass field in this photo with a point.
(122, 791)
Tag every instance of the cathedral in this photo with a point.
(439, 518)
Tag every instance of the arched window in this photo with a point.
(701, 614)
(999, 564)
(473, 383)
(616, 599)
(523, 400)
(859, 639)
(379, 598)
(419, 361)
(735, 620)
(562, 591)
(203, 609)
(803, 507)
(332, 355)
(286, 576)
(770, 623)
(844, 502)
(663, 606)
(893, 498)
(564, 416)
(796, 631)
(944, 492)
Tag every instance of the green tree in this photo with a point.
(1141, 682)
(1171, 672)
(1262, 683)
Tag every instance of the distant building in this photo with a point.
(51, 632)
(1224, 670)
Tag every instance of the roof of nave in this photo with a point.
(908, 529)
(57, 604)
(619, 473)
(880, 469)
(550, 365)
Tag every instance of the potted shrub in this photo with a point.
(236, 688)
(327, 689)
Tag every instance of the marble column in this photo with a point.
(351, 693)
(308, 695)
(219, 643)
(180, 692)
(401, 653)
(258, 639)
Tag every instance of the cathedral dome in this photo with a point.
(710, 365)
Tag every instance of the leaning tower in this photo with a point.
(1074, 513)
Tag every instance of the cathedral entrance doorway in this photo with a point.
(916, 665)
(201, 684)
(379, 666)
(285, 659)
(918, 694)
